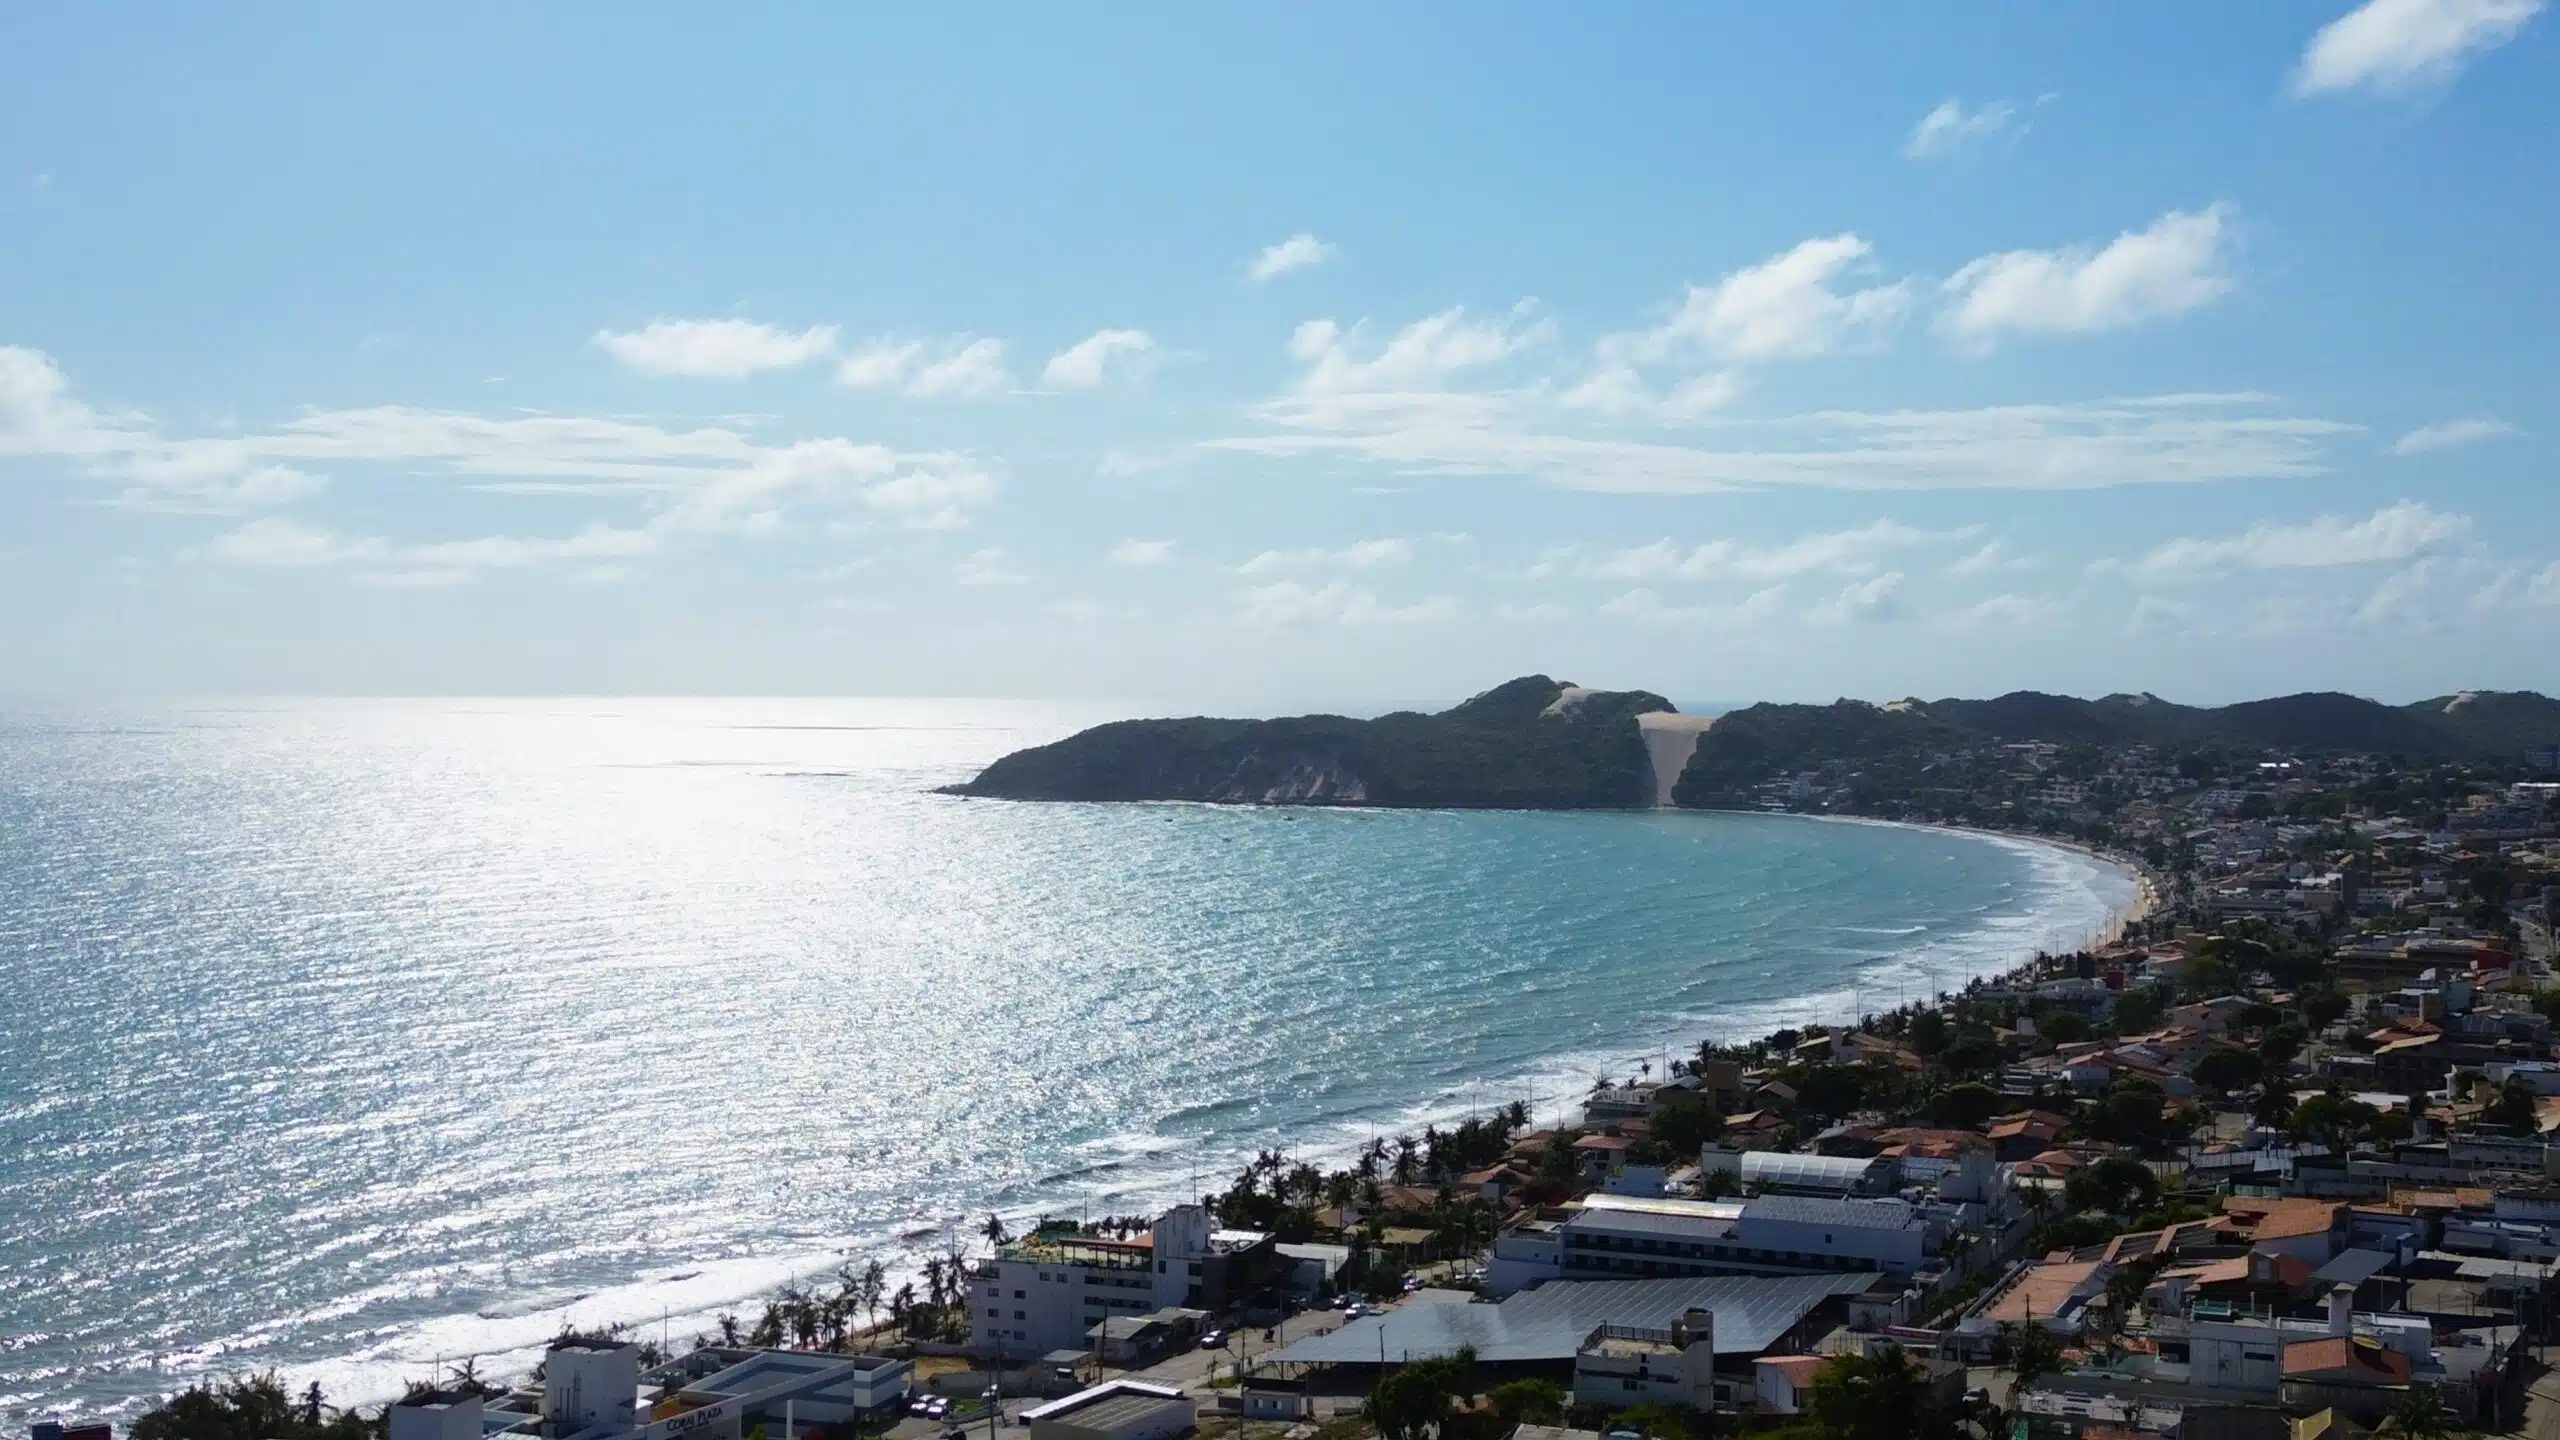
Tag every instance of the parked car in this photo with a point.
(1214, 1340)
(955, 1433)
(921, 1405)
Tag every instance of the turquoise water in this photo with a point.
(341, 1036)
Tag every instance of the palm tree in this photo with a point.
(728, 1324)
(2033, 1354)
(868, 1291)
(1408, 1156)
(994, 1230)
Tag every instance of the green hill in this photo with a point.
(1534, 743)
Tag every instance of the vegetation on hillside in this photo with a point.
(1504, 748)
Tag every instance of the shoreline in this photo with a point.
(1562, 1074)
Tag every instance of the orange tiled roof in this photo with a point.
(2348, 1355)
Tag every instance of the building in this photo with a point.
(1115, 1410)
(437, 1415)
(1782, 1384)
(1613, 1330)
(769, 1389)
(1778, 1172)
(1625, 1237)
(1049, 1289)
(1129, 1340)
(591, 1386)
(1621, 1366)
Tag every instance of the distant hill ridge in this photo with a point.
(1540, 743)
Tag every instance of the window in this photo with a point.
(1017, 1294)
(1018, 1315)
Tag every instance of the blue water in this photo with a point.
(340, 1036)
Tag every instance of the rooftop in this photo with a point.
(1551, 1322)
(1109, 1403)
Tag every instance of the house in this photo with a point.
(1783, 1384)
(2025, 1135)
(1621, 1366)
(1601, 1156)
(2312, 1230)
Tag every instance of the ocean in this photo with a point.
(346, 1037)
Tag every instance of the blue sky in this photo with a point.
(1322, 358)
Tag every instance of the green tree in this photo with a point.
(2226, 1068)
(1412, 1403)
(1830, 1091)
(1683, 1126)
(1876, 1397)
(1528, 1402)
(251, 1407)
(1966, 1106)
(2420, 1415)
(2514, 1109)
(2033, 1354)
(2116, 1185)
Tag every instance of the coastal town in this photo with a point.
(2277, 1159)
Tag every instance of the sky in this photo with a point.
(1327, 357)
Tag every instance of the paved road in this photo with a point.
(2542, 1397)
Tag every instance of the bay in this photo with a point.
(341, 1036)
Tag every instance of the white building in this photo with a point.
(1617, 1237)
(437, 1417)
(1048, 1290)
(591, 1385)
(1620, 1366)
(1115, 1410)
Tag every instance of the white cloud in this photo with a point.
(2401, 597)
(1542, 613)
(1871, 601)
(1845, 551)
(1994, 555)
(2445, 435)
(715, 349)
(1645, 607)
(1363, 555)
(976, 368)
(1424, 354)
(2393, 533)
(2400, 45)
(1289, 602)
(1298, 252)
(2002, 612)
(1789, 305)
(933, 493)
(1088, 611)
(881, 364)
(691, 482)
(1087, 364)
(1951, 128)
(987, 567)
(222, 490)
(1620, 392)
(2143, 440)
(2169, 269)
(959, 368)
(280, 543)
(1141, 552)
